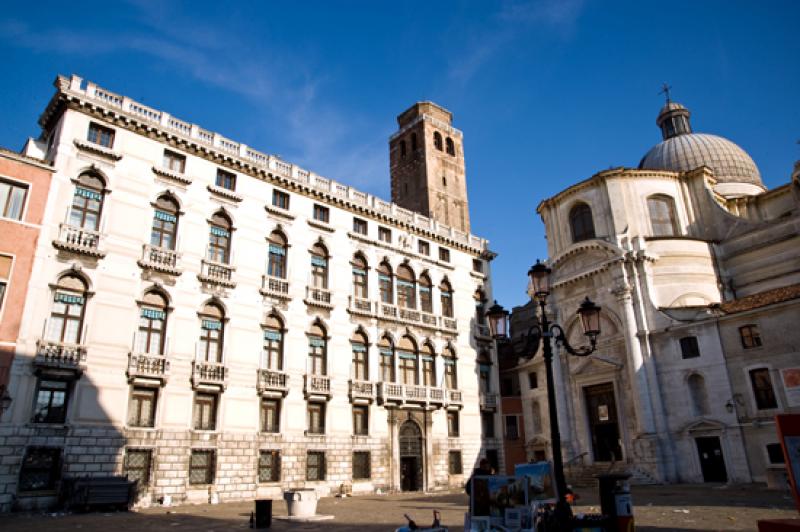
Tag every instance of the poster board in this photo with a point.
(788, 426)
(540, 485)
(790, 377)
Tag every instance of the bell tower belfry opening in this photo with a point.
(426, 163)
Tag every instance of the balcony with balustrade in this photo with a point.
(216, 273)
(481, 331)
(209, 374)
(318, 297)
(79, 240)
(317, 386)
(408, 316)
(53, 355)
(160, 259)
(272, 383)
(148, 366)
(398, 394)
(275, 287)
(362, 391)
(455, 399)
(488, 401)
(361, 307)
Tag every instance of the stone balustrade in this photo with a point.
(160, 259)
(318, 385)
(362, 390)
(217, 273)
(488, 401)
(209, 373)
(60, 355)
(275, 287)
(395, 392)
(272, 381)
(320, 297)
(78, 240)
(148, 366)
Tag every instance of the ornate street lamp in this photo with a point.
(543, 329)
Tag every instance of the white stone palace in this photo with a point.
(697, 269)
(215, 322)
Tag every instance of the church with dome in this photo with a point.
(696, 266)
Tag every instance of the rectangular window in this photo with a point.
(104, 136)
(12, 199)
(142, 409)
(359, 226)
(454, 464)
(477, 265)
(201, 467)
(444, 255)
(512, 430)
(385, 235)
(205, 411)
(750, 336)
(763, 391)
(280, 199)
(5, 275)
(51, 402)
(270, 415)
(453, 428)
(361, 420)
(269, 466)
(174, 161)
(487, 424)
(315, 465)
(775, 453)
(533, 380)
(362, 467)
(316, 418)
(226, 180)
(423, 247)
(689, 347)
(137, 466)
(321, 213)
(41, 469)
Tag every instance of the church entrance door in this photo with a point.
(410, 457)
(712, 464)
(603, 424)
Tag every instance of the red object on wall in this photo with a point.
(788, 426)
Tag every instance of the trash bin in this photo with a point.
(615, 501)
(263, 513)
(301, 502)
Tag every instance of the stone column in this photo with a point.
(394, 450)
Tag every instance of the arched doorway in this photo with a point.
(411, 465)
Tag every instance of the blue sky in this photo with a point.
(546, 92)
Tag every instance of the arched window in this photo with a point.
(317, 350)
(360, 284)
(536, 417)
(451, 148)
(450, 373)
(385, 283)
(480, 307)
(212, 333)
(425, 294)
(662, 215)
(402, 148)
(446, 294)
(698, 395)
(319, 266)
(360, 371)
(406, 287)
(413, 142)
(386, 350)
(437, 140)
(484, 372)
(165, 223)
(580, 221)
(66, 317)
(272, 351)
(219, 238)
(408, 360)
(87, 202)
(428, 358)
(152, 323)
(276, 266)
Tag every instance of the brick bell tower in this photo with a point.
(426, 163)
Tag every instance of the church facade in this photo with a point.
(219, 324)
(695, 265)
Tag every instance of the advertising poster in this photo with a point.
(788, 426)
(492, 495)
(539, 476)
(791, 384)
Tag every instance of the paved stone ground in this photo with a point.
(657, 509)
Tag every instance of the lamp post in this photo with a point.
(543, 329)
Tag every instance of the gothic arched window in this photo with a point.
(165, 222)
(319, 266)
(450, 373)
(451, 148)
(480, 307)
(425, 294)
(317, 350)
(406, 287)
(408, 360)
(212, 333)
(272, 350)
(386, 350)
(446, 293)
(87, 201)
(385, 283)
(662, 215)
(437, 140)
(581, 223)
(152, 323)
(219, 238)
(276, 266)
(428, 358)
(65, 324)
(360, 280)
(360, 370)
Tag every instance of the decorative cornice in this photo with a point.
(181, 178)
(225, 193)
(96, 149)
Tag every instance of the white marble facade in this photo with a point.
(103, 364)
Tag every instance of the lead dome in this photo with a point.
(682, 150)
